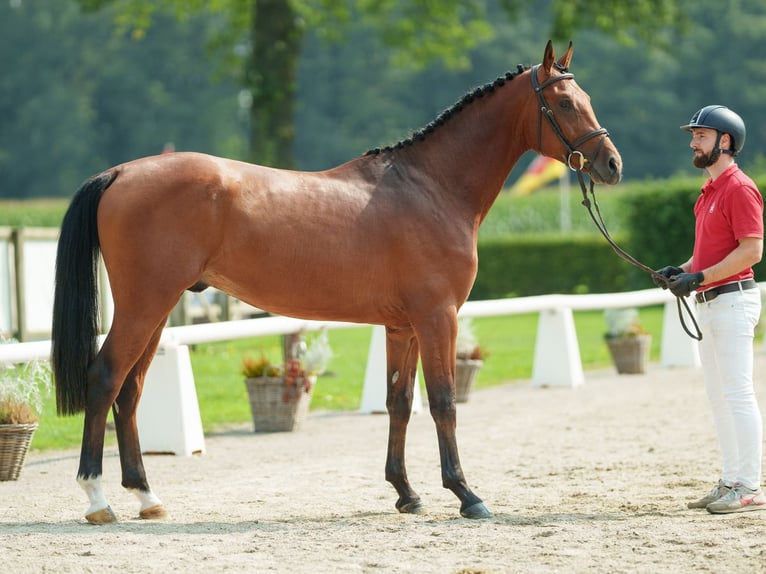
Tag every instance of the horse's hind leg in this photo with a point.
(402, 360)
(125, 345)
(124, 411)
(105, 379)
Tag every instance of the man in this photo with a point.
(728, 242)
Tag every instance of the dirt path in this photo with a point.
(593, 479)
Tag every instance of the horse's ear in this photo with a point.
(566, 58)
(548, 58)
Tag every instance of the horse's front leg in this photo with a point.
(438, 356)
(402, 361)
(131, 461)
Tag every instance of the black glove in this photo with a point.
(683, 284)
(666, 272)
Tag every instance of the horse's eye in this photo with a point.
(566, 104)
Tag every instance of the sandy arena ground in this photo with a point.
(593, 479)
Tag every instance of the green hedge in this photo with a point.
(535, 265)
(660, 222)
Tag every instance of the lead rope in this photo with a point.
(601, 226)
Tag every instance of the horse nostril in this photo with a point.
(614, 167)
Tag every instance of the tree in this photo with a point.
(262, 39)
(77, 98)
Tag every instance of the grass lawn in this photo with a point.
(510, 341)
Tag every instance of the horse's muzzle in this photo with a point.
(606, 167)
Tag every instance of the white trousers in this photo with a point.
(726, 352)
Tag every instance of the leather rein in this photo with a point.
(598, 220)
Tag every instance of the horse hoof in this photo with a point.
(478, 510)
(156, 512)
(411, 507)
(103, 516)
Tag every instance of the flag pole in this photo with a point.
(565, 209)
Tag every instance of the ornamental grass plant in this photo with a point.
(22, 390)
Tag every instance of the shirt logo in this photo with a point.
(712, 208)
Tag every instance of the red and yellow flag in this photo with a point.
(541, 171)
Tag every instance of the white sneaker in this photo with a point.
(738, 499)
(718, 491)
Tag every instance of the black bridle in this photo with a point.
(598, 220)
(547, 112)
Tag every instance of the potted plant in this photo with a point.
(21, 392)
(470, 358)
(627, 341)
(280, 394)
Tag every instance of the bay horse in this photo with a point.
(388, 238)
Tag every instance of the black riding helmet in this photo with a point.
(723, 120)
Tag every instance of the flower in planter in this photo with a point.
(299, 369)
(280, 394)
(468, 347)
(293, 374)
(627, 341)
(318, 354)
(622, 323)
(22, 388)
(260, 367)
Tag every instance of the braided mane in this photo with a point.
(453, 110)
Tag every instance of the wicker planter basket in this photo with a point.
(14, 445)
(630, 354)
(277, 406)
(465, 375)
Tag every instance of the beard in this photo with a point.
(703, 160)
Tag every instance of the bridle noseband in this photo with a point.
(545, 110)
(598, 220)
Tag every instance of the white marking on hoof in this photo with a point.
(103, 516)
(98, 512)
(151, 505)
(157, 512)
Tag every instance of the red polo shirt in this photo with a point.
(728, 209)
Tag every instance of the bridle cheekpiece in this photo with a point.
(545, 110)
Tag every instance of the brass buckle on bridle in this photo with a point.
(582, 161)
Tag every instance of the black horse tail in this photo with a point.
(74, 333)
